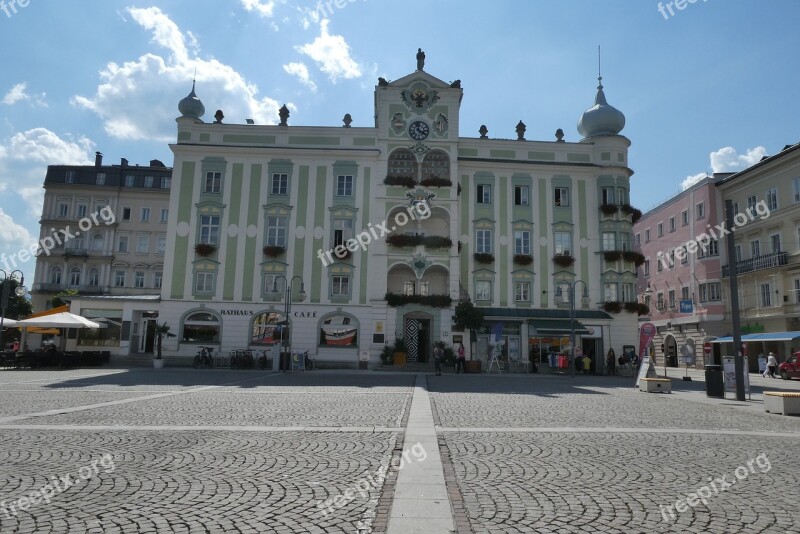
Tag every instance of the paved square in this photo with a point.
(184, 450)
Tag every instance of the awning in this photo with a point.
(767, 336)
(9, 323)
(554, 327)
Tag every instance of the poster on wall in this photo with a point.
(338, 331)
(729, 372)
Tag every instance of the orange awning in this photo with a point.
(47, 331)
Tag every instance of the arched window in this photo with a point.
(201, 327)
(402, 164)
(436, 167)
(338, 330)
(269, 328)
(94, 278)
(74, 277)
(55, 276)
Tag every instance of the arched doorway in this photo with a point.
(417, 336)
(671, 350)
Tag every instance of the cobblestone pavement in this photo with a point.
(581, 455)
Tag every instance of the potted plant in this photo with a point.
(563, 260)
(273, 251)
(205, 249)
(609, 209)
(636, 257)
(612, 255)
(523, 259)
(612, 306)
(161, 330)
(387, 355)
(399, 353)
(483, 257)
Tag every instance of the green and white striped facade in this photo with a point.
(232, 176)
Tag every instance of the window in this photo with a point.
(638, 239)
(796, 187)
(161, 244)
(624, 241)
(98, 243)
(148, 181)
(166, 182)
(713, 248)
(129, 181)
(126, 214)
(483, 290)
(521, 195)
(164, 215)
(409, 287)
(81, 211)
(647, 267)
(204, 282)
(737, 250)
(775, 240)
(342, 232)
(158, 278)
(660, 229)
(142, 244)
(100, 178)
(63, 210)
(736, 208)
(70, 177)
(685, 217)
(209, 229)
(138, 279)
(607, 194)
(563, 243)
(766, 295)
(561, 196)
(483, 241)
(685, 255)
(609, 241)
(672, 224)
(338, 330)
(213, 182)
(484, 194)
(627, 293)
(94, 278)
(145, 214)
(119, 278)
(772, 198)
(280, 184)
(700, 210)
(340, 286)
(703, 289)
(660, 265)
(276, 231)
(715, 291)
(201, 327)
(755, 248)
(610, 292)
(671, 298)
(522, 242)
(797, 290)
(522, 292)
(647, 235)
(344, 186)
(660, 301)
(74, 277)
(751, 203)
(622, 193)
(424, 288)
(685, 293)
(122, 244)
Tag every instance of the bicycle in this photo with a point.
(262, 360)
(204, 358)
(242, 359)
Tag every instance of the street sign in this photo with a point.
(707, 347)
(686, 306)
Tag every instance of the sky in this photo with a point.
(708, 88)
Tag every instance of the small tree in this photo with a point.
(162, 330)
(468, 317)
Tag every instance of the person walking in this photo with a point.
(437, 360)
(772, 364)
(762, 365)
(460, 359)
(611, 364)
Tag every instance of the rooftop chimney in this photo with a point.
(124, 162)
(98, 159)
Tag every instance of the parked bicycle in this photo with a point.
(241, 359)
(262, 360)
(204, 358)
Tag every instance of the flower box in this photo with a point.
(204, 249)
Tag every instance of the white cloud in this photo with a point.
(301, 71)
(264, 9)
(14, 237)
(727, 160)
(18, 93)
(24, 158)
(138, 98)
(332, 55)
(691, 180)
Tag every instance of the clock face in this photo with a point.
(419, 130)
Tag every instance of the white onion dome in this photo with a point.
(602, 118)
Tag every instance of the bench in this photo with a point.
(785, 402)
(655, 385)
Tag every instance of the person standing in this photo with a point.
(611, 364)
(437, 360)
(762, 365)
(772, 364)
(460, 359)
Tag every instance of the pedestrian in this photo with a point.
(587, 364)
(460, 359)
(437, 360)
(15, 346)
(579, 365)
(772, 364)
(762, 365)
(611, 364)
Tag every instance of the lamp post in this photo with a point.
(660, 306)
(5, 282)
(288, 305)
(585, 298)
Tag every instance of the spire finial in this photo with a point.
(599, 70)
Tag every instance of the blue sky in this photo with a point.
(712, 87)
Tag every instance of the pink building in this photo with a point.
(681, 279)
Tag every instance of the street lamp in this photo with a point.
(5, 282)
(660, 304)
(288, 305)
(584, 300)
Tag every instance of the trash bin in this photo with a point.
(715, 383)
(286, 361)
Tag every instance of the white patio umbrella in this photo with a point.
(58, 320)
(9, 323)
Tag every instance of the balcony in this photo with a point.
(76, 252)
(759, 263)
(48, 288)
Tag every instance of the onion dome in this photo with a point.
(602, 118)
(191, 106)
